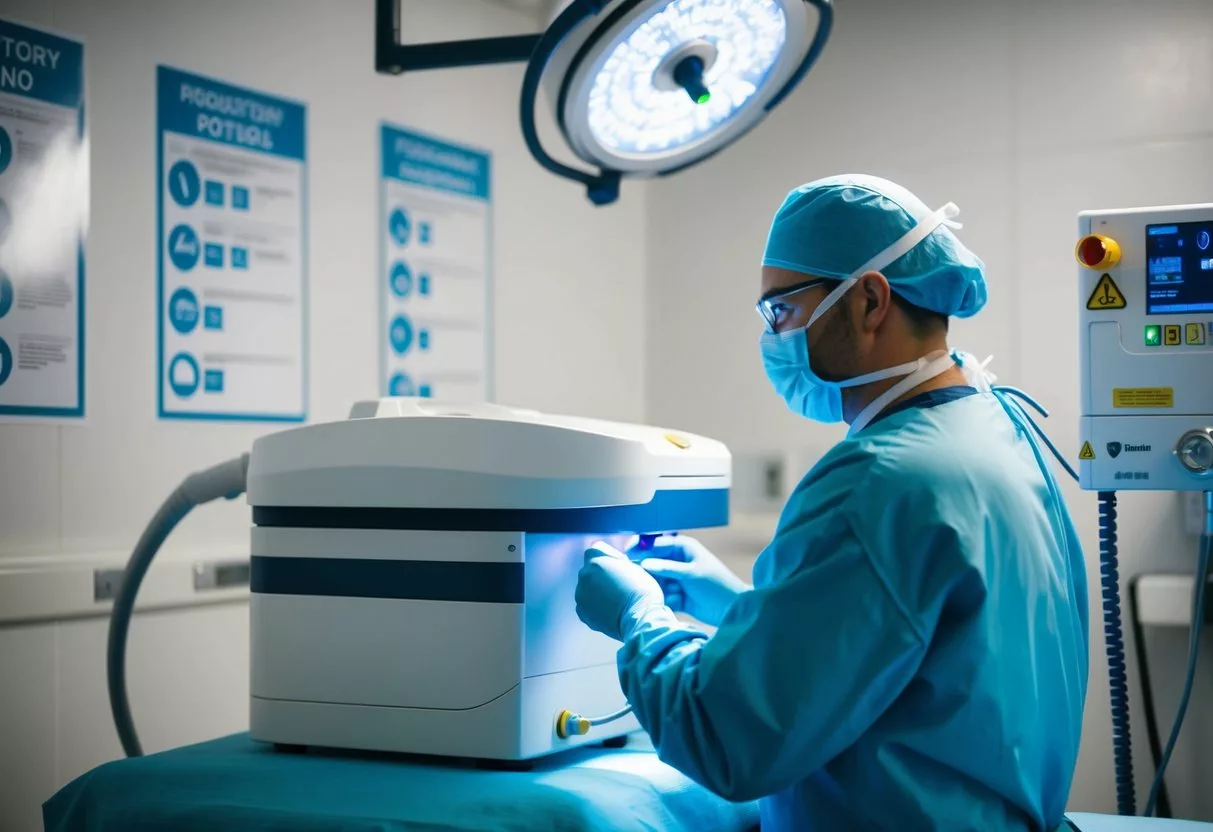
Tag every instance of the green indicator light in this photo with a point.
(704, 99)
(1153, 335)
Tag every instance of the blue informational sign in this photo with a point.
(436, 267)
(226, 352)
(42, 339)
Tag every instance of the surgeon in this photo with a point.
(913, 652)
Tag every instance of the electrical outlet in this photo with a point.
(1194, 512)
(759, 482)
(773, 478)
(106, 583)
(222, 575)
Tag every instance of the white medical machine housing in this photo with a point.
(414, 567)
(1146, 348)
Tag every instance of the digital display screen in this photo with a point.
(1179, 268)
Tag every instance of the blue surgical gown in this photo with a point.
(914, 652)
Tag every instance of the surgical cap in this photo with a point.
(831, 227)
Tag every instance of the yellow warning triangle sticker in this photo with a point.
(1107, 295)
(1087, 451)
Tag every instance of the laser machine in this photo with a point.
(413, 573)
(1146, 368)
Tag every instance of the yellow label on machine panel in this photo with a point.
(1087, 452)
(1149, 398)
(1107, 295)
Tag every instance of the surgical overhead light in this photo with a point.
(639, 88)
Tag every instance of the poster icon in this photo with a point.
(6, 293)
(401, 280)
(183, 311)
(401, 385)
(184, 184)
(6, 150)
(183, 247)
(6, 361)
(400, 227)
(401, 335)
(183, 375)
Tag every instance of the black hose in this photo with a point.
(1147, 693)
(1118, 680)
(1200, 587)
(225, 480)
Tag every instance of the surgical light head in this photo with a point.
(642, 88)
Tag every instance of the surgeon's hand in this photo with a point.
(706, 584)
(613, 593)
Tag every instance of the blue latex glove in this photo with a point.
(613, 593)
(704, 586)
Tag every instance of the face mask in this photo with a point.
(785, 355)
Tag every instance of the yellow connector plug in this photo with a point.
(569, 724)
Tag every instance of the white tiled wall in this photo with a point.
(27, 724)
(1023, 113)
(188, 682)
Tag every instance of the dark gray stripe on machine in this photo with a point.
(415, 580)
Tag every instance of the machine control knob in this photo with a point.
(1195, 450)
(1098, 252)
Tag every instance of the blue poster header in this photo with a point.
(38, 65)
(421, 160)
(201, 107)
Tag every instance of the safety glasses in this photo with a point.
(775, 311)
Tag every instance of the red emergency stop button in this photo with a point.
(1096, 251)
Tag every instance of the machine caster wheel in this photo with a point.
(616, 742)
(287, 748)
(505, 765)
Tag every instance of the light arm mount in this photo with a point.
(395, 58)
